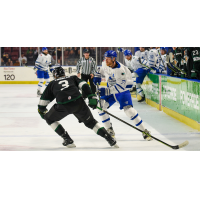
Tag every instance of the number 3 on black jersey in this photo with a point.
(64, 83)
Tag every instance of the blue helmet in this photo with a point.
(44, 48)
(110, 53)
(168, 49)
(162, 48)
(128, 53)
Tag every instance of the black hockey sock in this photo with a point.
(102, 132)
(58, 128)
(62, 133)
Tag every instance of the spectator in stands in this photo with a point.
(2, 51)
(35, 54)
(76, 52)
(6, 57)
(30, 59)
(22, 59)
(2, 62)
(92, 52)
(52, 51)
(59, 52)
(17, 63)
(69, 63)
(30, 51)
(71, 55)
(9, 62)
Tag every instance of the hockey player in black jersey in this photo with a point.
(69, 101)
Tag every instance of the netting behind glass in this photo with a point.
(65, 56)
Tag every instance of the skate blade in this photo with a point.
(115, 146)
(71, 145)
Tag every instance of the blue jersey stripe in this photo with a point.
(117, 89)
(120, 86)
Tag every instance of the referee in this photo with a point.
(88, 68)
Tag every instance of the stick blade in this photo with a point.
(180, 145)
(183, 144)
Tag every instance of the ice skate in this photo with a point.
(111, 141)
(141, 100)
(111, 131)
(146, 137)
(68, 142)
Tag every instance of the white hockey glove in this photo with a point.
(154, 71)
(134, 75)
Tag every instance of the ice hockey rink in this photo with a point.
(22, 129)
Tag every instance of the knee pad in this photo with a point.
(127, 107)
(91, 123)
(130, 111)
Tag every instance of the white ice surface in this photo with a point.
(21, 127)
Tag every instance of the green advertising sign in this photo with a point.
(177, 94)
(151, 87)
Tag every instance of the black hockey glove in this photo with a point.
(42, 113)
(92, 101)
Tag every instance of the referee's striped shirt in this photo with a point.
(88, 66)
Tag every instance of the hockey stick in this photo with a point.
(167, 63)
(173, 147)
(179, 69)
(99, 95)
(147, 67)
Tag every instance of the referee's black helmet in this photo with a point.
(86, 51)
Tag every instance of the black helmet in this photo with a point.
(86, 51)
(58, 72)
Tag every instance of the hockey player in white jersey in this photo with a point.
(153, 59)
(163, 64)
(142, 53)
(141, 72)
(128, 60)
(119, 82)
(42, 64)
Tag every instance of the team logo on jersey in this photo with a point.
(69, 97)
(123, 81)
